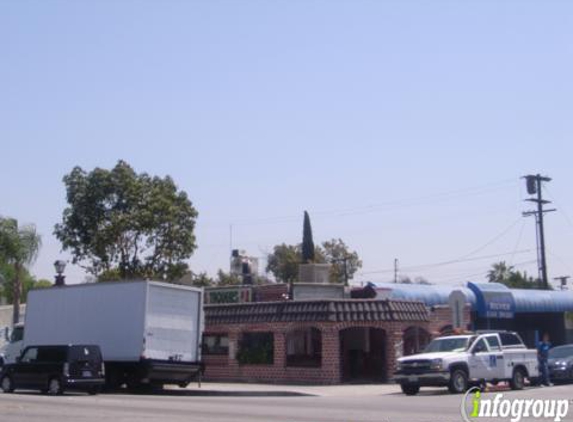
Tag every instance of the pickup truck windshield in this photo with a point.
(447, 345)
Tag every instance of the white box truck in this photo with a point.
(149, 332)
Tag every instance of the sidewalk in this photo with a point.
(248, 389)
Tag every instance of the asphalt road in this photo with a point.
(188, 405)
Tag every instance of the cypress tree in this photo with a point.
(307, 242)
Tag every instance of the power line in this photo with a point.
(443, 263)
(384, 206)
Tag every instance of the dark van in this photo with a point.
(55, 369)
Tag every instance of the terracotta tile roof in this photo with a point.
(317, 310)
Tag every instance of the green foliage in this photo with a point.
(19, 247)
(343, 260)
(202, 280)
(417, 280)
(226, 279)
(307, 242)
(122, 222)
(43, 284)
(502, 273)
(283, 262)
(7, 279)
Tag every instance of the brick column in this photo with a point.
(394, 347)
(331, 361)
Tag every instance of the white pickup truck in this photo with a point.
(462, 360)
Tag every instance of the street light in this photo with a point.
(60, 266)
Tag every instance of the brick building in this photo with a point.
(326, 341)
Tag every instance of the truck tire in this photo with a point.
(517, 379)
(410, 389)
(6, 384)
(458, 381)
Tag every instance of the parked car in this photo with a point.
(459, 361)
(561, 363)
(55, 369)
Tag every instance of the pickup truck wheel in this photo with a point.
(518, 379)
(458, 381)
(410, 389)
(6, 384)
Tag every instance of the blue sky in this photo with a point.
(401, 126)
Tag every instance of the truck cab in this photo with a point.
(463, 360)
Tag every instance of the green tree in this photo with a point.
(7, 279)
(202, 280)
(344, 262)
(308, 255)
(226, 279)
(500, 272)
(19, 247)
(121, 222)
(283, 262)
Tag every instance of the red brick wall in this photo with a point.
(226, 368)
(441, 316)
(270, 292)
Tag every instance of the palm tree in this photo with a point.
(499, 272)
(19, 247)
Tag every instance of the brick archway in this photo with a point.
(363, 354)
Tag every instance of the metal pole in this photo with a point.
(541, 233)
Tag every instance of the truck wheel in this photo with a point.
(458, 382)
(55, 387)
(6, 384)
(410, 389)
(518, 379)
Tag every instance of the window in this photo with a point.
(480, 346)
(52, 354)
(30, 355)
(510, 339)
(215, 344)
(17, 334)
(493, 343)
(304, 348)
(256, 348)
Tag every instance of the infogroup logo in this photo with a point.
(514, 409)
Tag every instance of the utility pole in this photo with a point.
(534, 187)
(395, 270)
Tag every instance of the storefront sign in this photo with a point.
(494, 301)
(228, 295)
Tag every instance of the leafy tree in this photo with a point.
(283, 262)
(344, 262)
(504, 274)
(226, 279)
(499, 272)
(42, 284)
(307, 242)
(7, 279)
(19, 247)
(121, 222)
(418, 280)
(202, 280)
